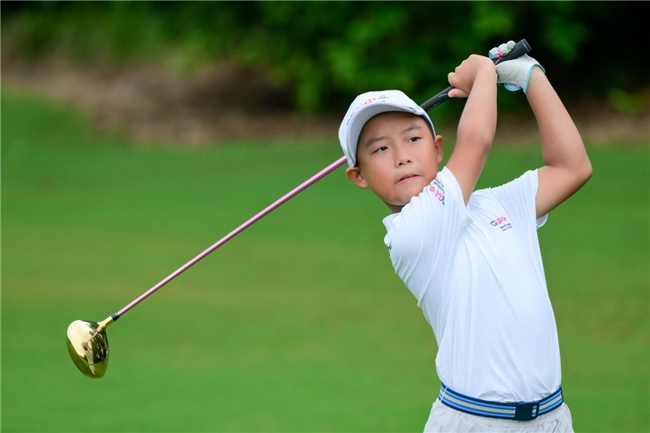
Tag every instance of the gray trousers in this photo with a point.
(445, 419)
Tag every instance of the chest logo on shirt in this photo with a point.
(437, 190)
(502, 223)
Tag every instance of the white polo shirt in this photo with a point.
(477, 274)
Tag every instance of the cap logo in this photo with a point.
(363, 104)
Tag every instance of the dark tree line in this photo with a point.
(326, 52)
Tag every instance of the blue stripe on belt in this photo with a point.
(523, 411)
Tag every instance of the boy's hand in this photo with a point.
(462, 79)
(515, 73)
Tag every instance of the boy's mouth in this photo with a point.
(407, 177)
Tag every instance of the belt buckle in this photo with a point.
(526, 411)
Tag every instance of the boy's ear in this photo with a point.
(437, 144)
(355, 175)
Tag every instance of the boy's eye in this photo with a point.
(380, 149)
(414, 139)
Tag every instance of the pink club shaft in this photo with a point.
(330, 168)
(522, 47)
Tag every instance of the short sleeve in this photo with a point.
(421, 236)
(518, 198)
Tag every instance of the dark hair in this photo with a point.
(433, 134)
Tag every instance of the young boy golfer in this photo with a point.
(472, 258)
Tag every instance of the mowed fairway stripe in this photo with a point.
(299, 323)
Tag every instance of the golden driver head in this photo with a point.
(88, 348)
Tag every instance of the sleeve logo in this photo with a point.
(437, 190)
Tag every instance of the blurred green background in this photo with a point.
(298, 324)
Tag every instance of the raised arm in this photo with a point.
(567, 167)
(475, 79)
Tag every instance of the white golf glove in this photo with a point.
(514, 74)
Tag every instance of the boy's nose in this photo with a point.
(401, 158)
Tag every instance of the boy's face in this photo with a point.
(396, 157)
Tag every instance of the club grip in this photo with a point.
(522, 47)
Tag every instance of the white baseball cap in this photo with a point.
(365, 107)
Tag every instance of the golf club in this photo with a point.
(87, 341)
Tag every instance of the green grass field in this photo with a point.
(299, 323)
